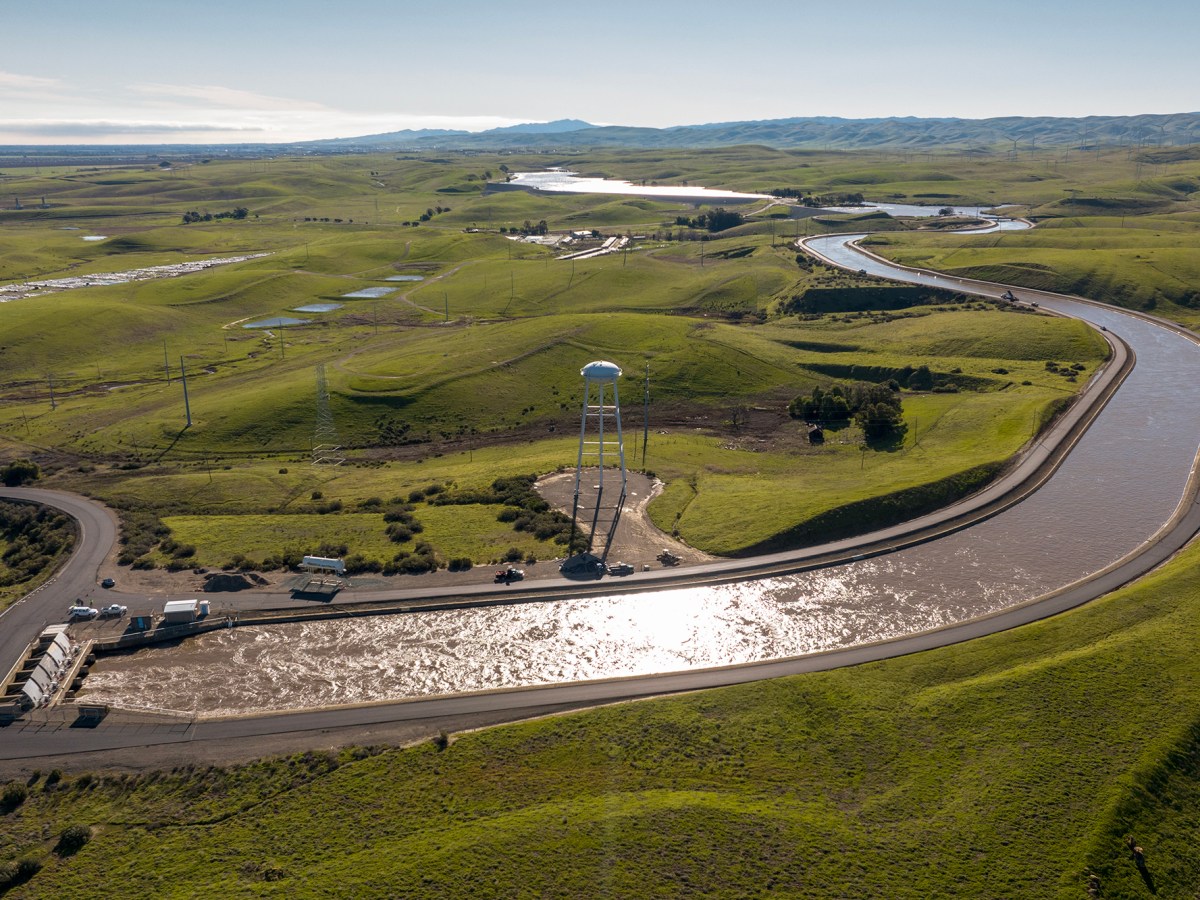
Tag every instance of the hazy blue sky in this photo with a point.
(151, 71)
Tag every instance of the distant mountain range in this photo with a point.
(806, 132)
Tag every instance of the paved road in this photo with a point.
(43, 739)
(22, 622)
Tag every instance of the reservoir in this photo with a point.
(562, 181)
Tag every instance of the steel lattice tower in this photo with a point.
(326, 447)
(599, 377)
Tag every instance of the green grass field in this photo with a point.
(485, 348)
(1012, 766)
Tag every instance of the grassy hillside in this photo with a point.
(1012, 766)
(486, 346)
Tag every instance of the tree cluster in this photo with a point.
(32, 537)
(807, 199)
(875, 408)
(19, 471)
(529, 228)
(714, 220)
(239, 212)
(433, 211)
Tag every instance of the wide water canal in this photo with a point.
(1121, 482)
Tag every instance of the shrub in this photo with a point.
(398, 512)
(513, 554)
(19, 872)
(72, 840)
(18, 472)
(13, 796)
(316, 495)
(356, 564)
(144, 562)
(460, 564)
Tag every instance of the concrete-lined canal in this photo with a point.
(1119, 485)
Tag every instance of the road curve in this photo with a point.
(81, 572)
(96, 528)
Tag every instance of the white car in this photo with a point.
(114, 609)
(82, 612)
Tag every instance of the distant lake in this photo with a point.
(318, 307)
(405, 278)
(277, 322)
(917, 211)
(369, 293)
(572, 182)
(95, 237)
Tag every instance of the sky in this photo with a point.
(133, 71)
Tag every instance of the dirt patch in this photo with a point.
(224, 581)
(636, 540)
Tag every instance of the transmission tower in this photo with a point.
(327, 450)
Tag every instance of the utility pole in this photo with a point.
(646, 415)
(187, 407)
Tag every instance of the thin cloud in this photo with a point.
(230, 98)
(79, 128)
(27, 82)
(18, 88)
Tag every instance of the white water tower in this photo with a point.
(600, 446)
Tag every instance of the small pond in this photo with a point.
(318, 307)
(276, 322)
(405, 278)
(369, 293)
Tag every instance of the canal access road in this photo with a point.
(48, 737)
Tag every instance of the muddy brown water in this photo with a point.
(1119, 485)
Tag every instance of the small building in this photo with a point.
(177, 612)
(324, 564)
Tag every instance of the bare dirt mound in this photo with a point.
(224, 581)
